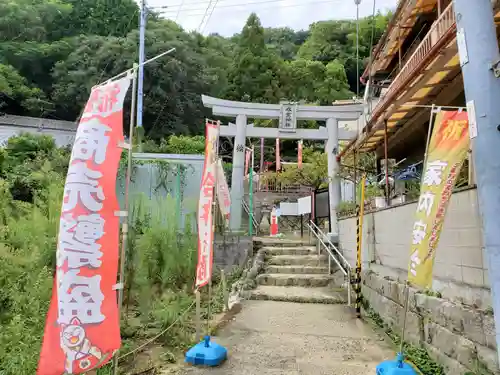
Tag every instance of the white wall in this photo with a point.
(460, 269)
(63, 132)
(61, 137)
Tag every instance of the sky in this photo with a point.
(229, 16)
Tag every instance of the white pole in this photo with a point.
(123, 250)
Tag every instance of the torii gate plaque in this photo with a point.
(288, 114)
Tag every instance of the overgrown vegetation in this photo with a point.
(415, 354)
(160, 259)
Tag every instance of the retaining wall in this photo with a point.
(460, 269)
(232, 250)
(461, 338)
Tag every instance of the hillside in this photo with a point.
(53, 51)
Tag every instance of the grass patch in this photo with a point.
(414, 354)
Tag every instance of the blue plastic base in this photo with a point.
(395, 367)
(206, 353)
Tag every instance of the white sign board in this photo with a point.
(462, 47)
(304, 205)
(471, 112)
(288, 118)
(289, 209)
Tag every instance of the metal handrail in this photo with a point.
(254, 220)
(319, 235)
(329, 252)
(317, 229)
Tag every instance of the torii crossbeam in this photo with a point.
(288, 114)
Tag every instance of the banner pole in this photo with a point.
(127, 205)
(198, 315)
(429, 133)
(214, 206)
(250, 197)
(136, 66)
(407, 285)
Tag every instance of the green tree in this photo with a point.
(313, 174)
(336, 40)
(255, 74)
(284, 41)
(14, 89)
(177, 145)
(315, 82)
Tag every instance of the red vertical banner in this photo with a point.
(82, 330)
(299, 154)
(205, 215)
(278, 157)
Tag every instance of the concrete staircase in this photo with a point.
(295, 272)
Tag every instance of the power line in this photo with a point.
(178, 11)
(204, 15)
(254, 3)
(209, 16)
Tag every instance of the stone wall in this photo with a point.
(460, 270)
(461, 338)
(232, 250)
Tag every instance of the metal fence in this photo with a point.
(162, 175)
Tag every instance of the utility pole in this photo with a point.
(140, 81)
(479, 58)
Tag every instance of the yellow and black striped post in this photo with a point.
(360, 211)
(357, 277)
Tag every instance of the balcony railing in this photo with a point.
(438, 30)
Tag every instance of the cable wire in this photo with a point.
(179, 11)
(159, 334)
(209, 16)
(187, 12)
(370, 60)
(204, 15)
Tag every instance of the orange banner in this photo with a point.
(299, 156)
(278, 155)
(205, 215)
(82, 330)
(447, 151)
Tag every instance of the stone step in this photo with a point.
(283, 279)
(279, 242)
(297, 269)
(326, 295)
(295, 250)
(298, 260)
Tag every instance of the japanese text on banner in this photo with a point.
(205, 216)
(447, 150)
(82, 330)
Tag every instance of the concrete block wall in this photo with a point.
(460, 338)
(460, 269)
(232, 250)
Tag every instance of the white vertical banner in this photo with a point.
(223, 193)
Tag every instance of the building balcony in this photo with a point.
(435, 39)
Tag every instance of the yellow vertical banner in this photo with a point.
(445, 155)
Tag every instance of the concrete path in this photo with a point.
(271, 338)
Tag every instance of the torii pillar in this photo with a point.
(288, 114)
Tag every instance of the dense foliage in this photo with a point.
(53, 51)
(160, 260)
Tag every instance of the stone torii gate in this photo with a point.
(288, 113)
